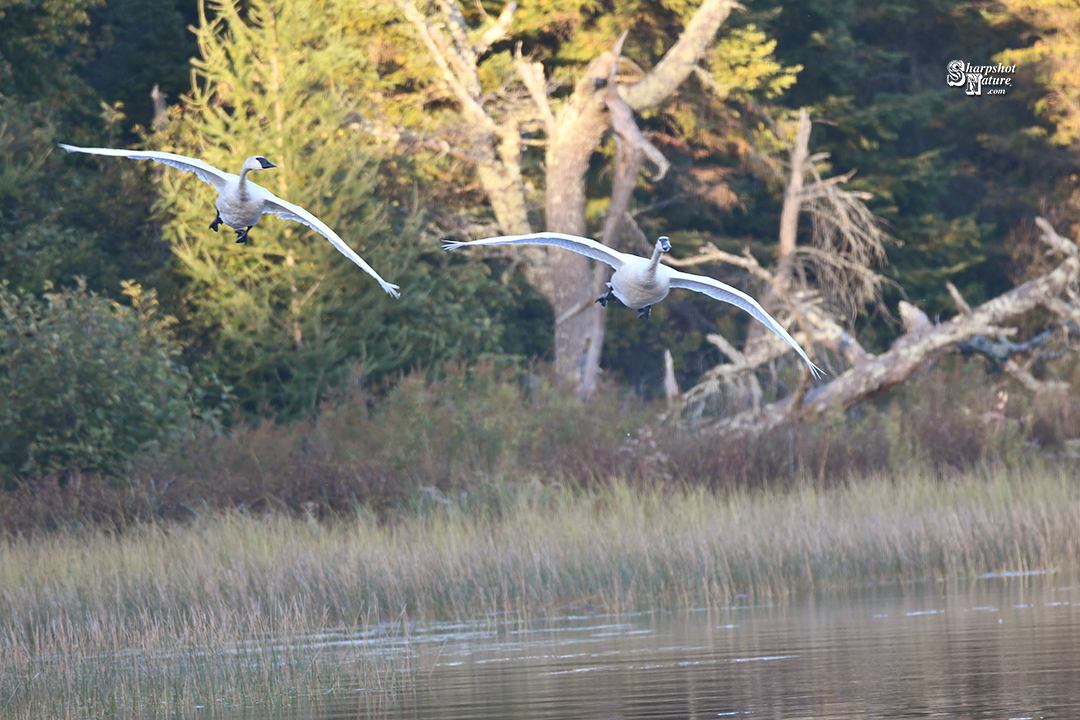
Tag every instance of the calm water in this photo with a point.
(1005, 647)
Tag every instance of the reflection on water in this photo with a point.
(1007, 647)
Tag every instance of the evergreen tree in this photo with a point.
(287, 318)
(59, 219)
(1055, 57)
(952, 174)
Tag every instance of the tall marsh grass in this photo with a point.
(235, 609)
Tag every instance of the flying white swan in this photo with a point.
(641, 282)
(240, 202)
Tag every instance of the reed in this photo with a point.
(238, 610)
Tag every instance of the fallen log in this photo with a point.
(877, 373)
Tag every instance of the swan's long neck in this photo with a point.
(650, 269)
(243, 186)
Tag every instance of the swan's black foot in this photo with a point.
(645, 312)
(242, 235)
(609, 295)
(217, 222)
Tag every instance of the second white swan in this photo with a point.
(640, 282)
(240, 202)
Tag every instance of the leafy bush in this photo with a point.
(87, 382)
(478, 436)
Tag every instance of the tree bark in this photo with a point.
(563, 278)
(579, 127)
(677, 64)
(793, 197)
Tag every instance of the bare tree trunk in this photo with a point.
(793, 197)
(580, 125)
(574, 134)
(789, 230)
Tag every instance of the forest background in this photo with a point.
(146, 359)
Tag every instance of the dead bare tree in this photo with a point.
(846, 244)
(574, 131)
(870, 375)
(816, 286)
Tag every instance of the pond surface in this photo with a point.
(1005, 647)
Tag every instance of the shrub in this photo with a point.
(86, 382)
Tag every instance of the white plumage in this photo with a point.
(240, 202)
(640, 282)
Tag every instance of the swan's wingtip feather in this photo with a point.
(452, 245)
(392, 290)
(69, 148)
(817, 372)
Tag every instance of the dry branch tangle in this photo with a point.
(877, 373)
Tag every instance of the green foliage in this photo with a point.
(138, 44)
(945, 169)
(287, 318)
(40, 43)
(61, 219)
(954, 176)
(744, 64)
(58, 220)
(1055, 57)
(87, 383)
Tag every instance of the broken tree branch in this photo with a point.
(681, 59)
(958, 299)
(872, 374)
(883, 371)
(789, 213)
(497, 31)
(532, 76)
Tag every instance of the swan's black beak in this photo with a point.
(266, 164)
(665, 244)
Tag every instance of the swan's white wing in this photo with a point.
(725, 293)
(207, 173)
(582, 246)
(276, 206)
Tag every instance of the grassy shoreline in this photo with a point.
(165, 617)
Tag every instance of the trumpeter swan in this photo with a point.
(240, 202)
(641, 282)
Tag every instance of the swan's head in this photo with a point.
(257, 162)
(663, 244)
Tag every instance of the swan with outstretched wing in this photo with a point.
(240, 202)
(640, 282)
